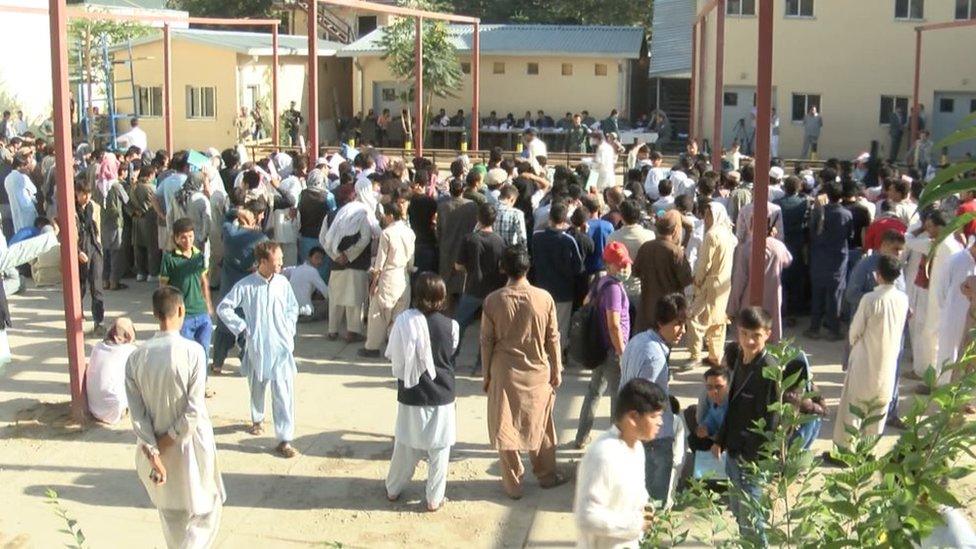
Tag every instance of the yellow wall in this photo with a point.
(299, 20)
(230, 73)
(851, 52)
(516, 91)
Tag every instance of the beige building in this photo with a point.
(215, 73)
(523, 67)
(852, 58)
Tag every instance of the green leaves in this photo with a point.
(72, 530)
(442, 75)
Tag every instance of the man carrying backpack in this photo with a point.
(610, 321)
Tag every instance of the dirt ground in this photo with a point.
(332, 495)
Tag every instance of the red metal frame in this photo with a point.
(418, 94)
(918, 63)
(764, 100)
(167, 86)
(693, 92)
(65, 195)
(764, 82)
(719, 83)
(313, 82)
(419, 15)
(64, 169)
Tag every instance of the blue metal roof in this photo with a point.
(671, 38)
(535, 40)
(248, 43)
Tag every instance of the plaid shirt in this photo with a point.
(510, 225)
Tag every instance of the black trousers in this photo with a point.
(224, 341)
(695, 442)
(90, 276)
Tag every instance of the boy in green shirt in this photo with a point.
(185, 268)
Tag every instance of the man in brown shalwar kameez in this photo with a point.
(521, 353)
(661, 267)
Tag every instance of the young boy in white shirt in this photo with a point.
(611, 497)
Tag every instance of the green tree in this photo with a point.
(442, 72)
(569, 12)
(85, 39)
(224, 8)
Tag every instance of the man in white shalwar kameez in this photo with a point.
(604, 161)
(917, 244)
(952, 323)
(176, 455)
(875, 337)
(421, 344)
(929, 336)
(347, 242)
(389, 291)
(270, 341)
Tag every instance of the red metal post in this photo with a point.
(694, 82)
(703, 54)
(66, 208)
(418, 101)
(918, 76)
(167, 84)
(764, 105)
(276, 135)
(313, 82)
(476, 85)
(719, 84)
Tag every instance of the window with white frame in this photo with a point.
(740, 7)
(149, 101)
(888, 105)
(802, 103)
(799, 8)
(909, 9)
(965, 9)
(200, 102)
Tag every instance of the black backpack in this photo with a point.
(586, 347)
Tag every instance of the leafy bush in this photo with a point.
(880, 498)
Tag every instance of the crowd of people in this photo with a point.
(403, 258)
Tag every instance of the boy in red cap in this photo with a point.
(613, 321)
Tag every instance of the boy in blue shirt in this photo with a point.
(705, 419)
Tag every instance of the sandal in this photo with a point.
(286, 450)
(557, 480)
(256, 429)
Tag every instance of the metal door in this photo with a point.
(737, 116)
(949, 111)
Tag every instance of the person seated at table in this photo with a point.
(509, 122)
(588, 120)
(526, 121)
(457, 120)
(543, 120)
(641, 122)
(442, 119)
(492, 120)
(566, 122)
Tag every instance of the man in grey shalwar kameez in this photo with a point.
(176, 455)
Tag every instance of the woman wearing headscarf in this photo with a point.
(192, 201)
(347, 243)
(422, 341)
(712, 283)
(105, 376)
(112, 197)
(315, 203)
